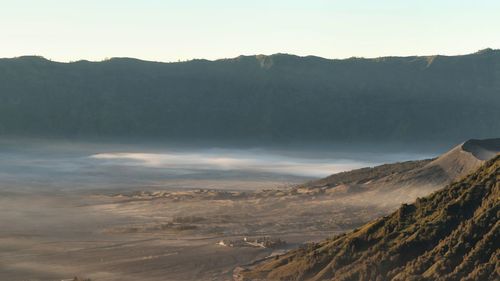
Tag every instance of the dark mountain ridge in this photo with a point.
(268, 98)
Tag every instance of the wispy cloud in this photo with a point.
(232, 161)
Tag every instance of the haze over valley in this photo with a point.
(147, 176)
(249, 140)
(126, 212)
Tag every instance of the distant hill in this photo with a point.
(452, 234)
(396, 183)
(268, 98)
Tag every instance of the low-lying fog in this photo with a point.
(25, 165)
(70, 209)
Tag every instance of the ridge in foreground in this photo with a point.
(452, 234)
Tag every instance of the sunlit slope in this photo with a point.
(451, 234)
(422, 176)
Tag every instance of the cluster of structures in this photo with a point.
(259, 242)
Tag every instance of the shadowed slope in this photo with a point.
(452, 234)
(467, 157)
(255, 98)
(482, 149)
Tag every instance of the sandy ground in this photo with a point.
(165, 235)
(65, 214)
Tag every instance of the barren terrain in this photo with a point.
(163, 219)
(159, 236)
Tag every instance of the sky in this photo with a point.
(173, 30)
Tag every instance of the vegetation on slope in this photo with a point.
(453, 234)
(278, 97)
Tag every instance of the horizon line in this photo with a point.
(488, 49)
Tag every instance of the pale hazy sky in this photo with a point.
(171, 30)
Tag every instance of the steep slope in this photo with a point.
(423, 175)
(452, 234)
(267, 98)
(466, 157)
(482, 149)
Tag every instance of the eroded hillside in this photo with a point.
(452, 234)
